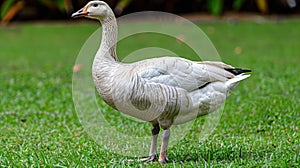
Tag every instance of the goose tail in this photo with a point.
(232, 83)
(239, 76)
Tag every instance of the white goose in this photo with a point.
(163, 91)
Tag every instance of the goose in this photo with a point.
(164, 91)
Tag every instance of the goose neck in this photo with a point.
(109, 39)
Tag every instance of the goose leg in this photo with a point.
(152, 152)
(164, 145)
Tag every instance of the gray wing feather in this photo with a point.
(182, 73)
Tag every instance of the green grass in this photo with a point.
(259, 126)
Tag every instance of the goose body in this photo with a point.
(164, 91)
(152, 88)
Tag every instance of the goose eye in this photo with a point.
(95, 5)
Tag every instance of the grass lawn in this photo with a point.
(259, 126)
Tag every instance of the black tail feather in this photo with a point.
(237, 71)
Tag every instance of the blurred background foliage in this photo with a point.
(61, 9)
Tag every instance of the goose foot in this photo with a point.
(163, 160)
(150, 158)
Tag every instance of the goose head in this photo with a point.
(95, 10)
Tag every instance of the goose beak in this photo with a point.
(81, 13)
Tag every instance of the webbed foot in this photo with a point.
(150, 158)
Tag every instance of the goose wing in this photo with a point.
(182, 73)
